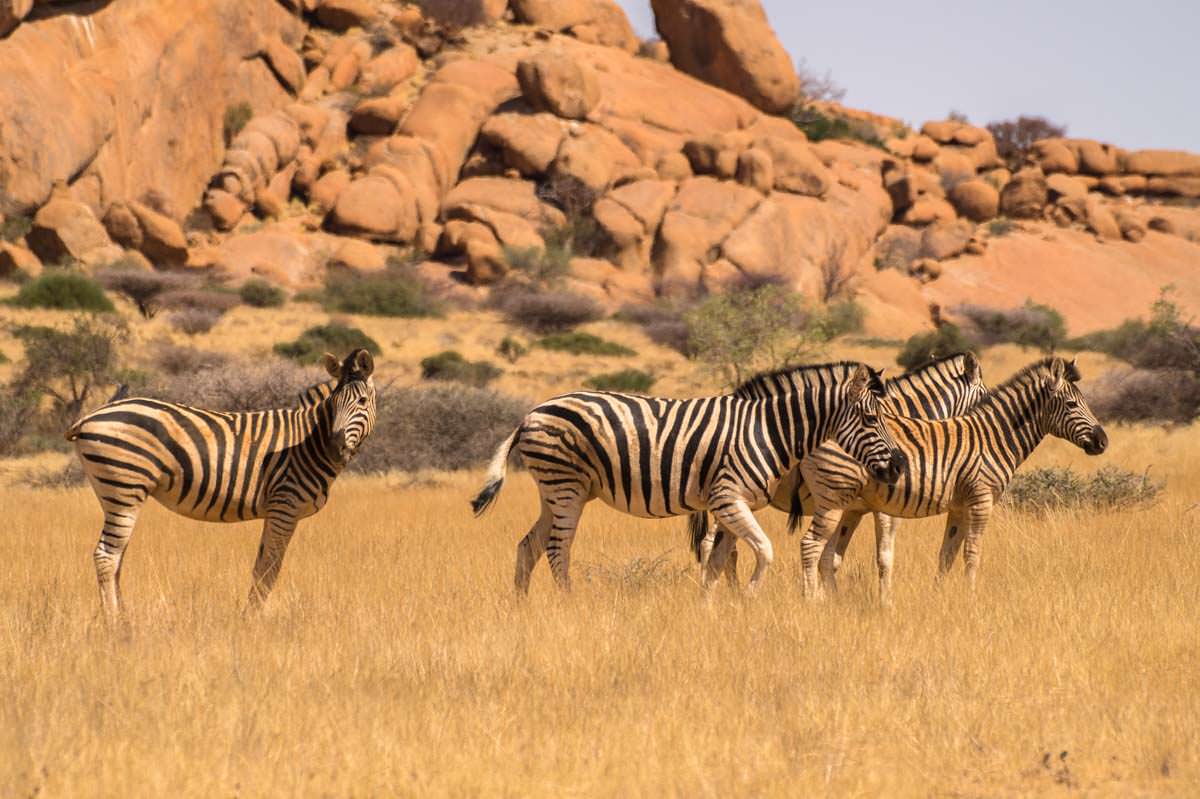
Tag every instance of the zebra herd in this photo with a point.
(832, 441)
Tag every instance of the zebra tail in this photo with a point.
(795, 513)
(495, 475)
(698, 530)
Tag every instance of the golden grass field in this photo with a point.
(395, 660)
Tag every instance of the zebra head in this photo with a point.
(861, 432)
(1066, 414)
(352, 403)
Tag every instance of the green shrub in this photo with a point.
(511, 350)
(261, 294)
(15, 227)
(629, 380)
(922, 348)
(70, 365)
(840, 318)
(579, 343)
(1001, 227)
(1110, 488)
(236, 118)
(1031, 325)
(63, 290)
(333, 337)
(1165, 341)
(451, 365)
(741, 333)
(396, 291)
(818, 126)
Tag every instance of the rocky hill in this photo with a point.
(282, 138)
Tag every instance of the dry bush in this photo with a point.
(815, 87)
(636, 574)
(442, 427)
(1055, 488)
(217, 302)
(173, 359)
(1014, 137)
(454, 14)
(193, 321)
(17, 411)
(1145, 395)
(897, 252)
(68, 476)
(144, 289)
(663, 323)
(1029, 325)
(549, 311)
(240, 384)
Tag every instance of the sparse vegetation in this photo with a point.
(144, 289)
(1000, 227)
(237, 116)
(511, 350)
(258, 293)
(1056, 488)
(549, 311)
(840, 318)
(63, 289)
(333, 337)
(1015, 137)
(628, 380)
(818, 126)
(1030, 325)
(579, 343)
(897, 252)
(172, 359)
(14, 228)
(438, 426)
(815, 87)
(451, 365)
(194, 321)
(18, 407)
(922, 348)
(396, 291)
(663, 323)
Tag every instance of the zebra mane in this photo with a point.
(315, 395)
(930, 364)
(766, 384)
(1028, 374)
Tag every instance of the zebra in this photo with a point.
(939, 389)
(656, 457)
(959, 466)
(275, 465)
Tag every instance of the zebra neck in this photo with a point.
(1014, 414)
(314, 425)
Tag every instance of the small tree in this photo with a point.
(68, 365)
(745, 332)
(815, 87)
(1014, 137)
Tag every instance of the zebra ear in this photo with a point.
(970, 366)
(331, 364)
(1072, 371)
(860, 383)
(1058, 372)
(364, 362)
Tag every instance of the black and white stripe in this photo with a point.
(656, 457)
(275, 465)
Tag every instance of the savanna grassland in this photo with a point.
(395, 660)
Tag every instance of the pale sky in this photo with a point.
(1126, 73)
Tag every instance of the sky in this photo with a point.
(1123, 73)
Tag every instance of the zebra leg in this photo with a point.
(276, 535)
(718, 561)
(532, 547)
(979, 512)
(885, 541)
(812, 548)
(956, 529)
(566, 508)
(737, 519)
(109, 555)
(835, 548)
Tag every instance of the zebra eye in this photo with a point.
(362, 402)
(870, 418)
(1072, 403)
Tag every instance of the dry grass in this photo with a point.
(394, 659)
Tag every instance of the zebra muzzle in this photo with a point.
(1097, 442)
(890, 472)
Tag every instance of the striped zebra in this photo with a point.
(958, 466)
(656, 457)
(942, 388)
(275, 465)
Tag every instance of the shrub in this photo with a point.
(998, 228)
(744, 332)
(68, 365)
(511, 350)
(261, 294)
(238, 384)
(236, 118)
(663, 323)
(63, 290)
(438, 426)
(922, 348)
(818, 126)
(451, 365)
(193, 321)
(814, 87)
(199, 299)
(1146, 395)
(144, 289)
(629, 380)
(68, 476)
(396, 291)
(541, 265)
(176, 360)
(1110, 488)
(841, 318)
(13, 228)
(454, 14)
(579, 343)
(550, 311)
(18, 407)
(334, 337)
(1015, 137)
(1031, 325)
(1166, 341)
